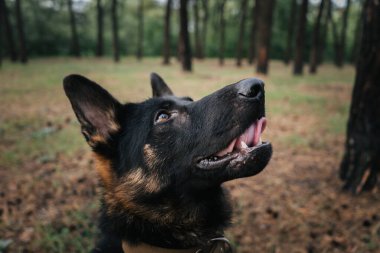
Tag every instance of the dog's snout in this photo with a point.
(251, 88)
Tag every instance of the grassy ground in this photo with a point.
(48, 188)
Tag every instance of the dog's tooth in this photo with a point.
(227, 149)
(260, 141)
(243, 144)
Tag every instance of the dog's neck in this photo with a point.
(145, 248)
(190, 225)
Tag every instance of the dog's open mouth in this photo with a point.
(238, 149)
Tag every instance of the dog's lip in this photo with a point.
(240, 146)
(211, 164)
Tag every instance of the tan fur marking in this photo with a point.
(127, 189)
(149, 156)
(98, 139)
(121, 194)
(138, 179)
(113, 126)
(152, 184)
(103, 167)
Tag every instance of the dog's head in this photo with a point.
(170, 147)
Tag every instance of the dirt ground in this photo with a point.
(49, 190)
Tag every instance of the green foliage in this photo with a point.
(48, 32)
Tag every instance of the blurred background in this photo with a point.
(320, 60)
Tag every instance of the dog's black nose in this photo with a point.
(251, 88)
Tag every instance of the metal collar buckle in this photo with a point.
(217, 245)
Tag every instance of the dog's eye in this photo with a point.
(162, 117)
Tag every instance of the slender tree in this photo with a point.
(74, 45)
(1, 38)
(100, 28)
(240, 42)
(197, 38)
(204, 27)
(39, 22)
(264, 32)
(339, 40)
(334, 30)
(343, 35)
(21, 33)
(300, 39)
(179, 47)
(185, 49)
(315, 43)
(140, 31)
(115, 32)
(166, 49)
(360, 165)
(325, 28)
(290, 35)
(8, 31)
(222, 28)
(255, 14)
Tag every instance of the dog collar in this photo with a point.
(215, 245)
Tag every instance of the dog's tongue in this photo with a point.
(251, 137)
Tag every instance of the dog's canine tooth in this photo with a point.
(243, 144)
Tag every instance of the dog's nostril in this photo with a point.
(255, 91)
(251, 88)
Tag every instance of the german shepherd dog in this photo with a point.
(162, 162)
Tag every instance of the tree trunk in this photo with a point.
(166, 49)
(264, 30)
(74, 45)
(335, 35)
(323, 37)
(4, 15)
(204, 27)
(197, 39)
(361, 162)
(339, 40)
(1, 37)
(115, 32)
(289, 39)
(358, 32)
(300, 39)
(252, 45)
(100, 26)
(315, 44)
(140, 32)
(21, 34)
(222, 27)
(179, 47)
(240, 43)
(342, 46)
(185, 49)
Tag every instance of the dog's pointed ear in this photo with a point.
(159, 87)
(96, 109)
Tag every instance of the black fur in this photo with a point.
(155, 191)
